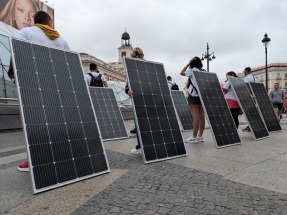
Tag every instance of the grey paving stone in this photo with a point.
(166, 188)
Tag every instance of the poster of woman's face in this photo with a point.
(20, 13)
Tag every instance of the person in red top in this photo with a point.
(231, 98)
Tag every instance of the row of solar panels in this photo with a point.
(65, 123)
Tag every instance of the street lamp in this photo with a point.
(208, 56)
(265, 42)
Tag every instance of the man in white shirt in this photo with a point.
(42, 33)
(247, 79)
(94, 74)
(248, 76)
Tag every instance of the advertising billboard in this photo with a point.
(20, 13)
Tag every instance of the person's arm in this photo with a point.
(270, 97)
(226, 86)
(22, 35)
(88, 79)
(67, 46)
(284, 97)
(128, 91)
(184, 69)
(169, 85)
(104, 80)
(127, 88)
(11, 72)
(105, 83)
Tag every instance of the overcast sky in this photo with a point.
(173, 31)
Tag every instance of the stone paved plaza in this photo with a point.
(165, 188)
(250, 178)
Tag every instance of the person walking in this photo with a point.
(42, 32)
(277, 98)
(194, 102)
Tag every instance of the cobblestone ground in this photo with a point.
(164, 188)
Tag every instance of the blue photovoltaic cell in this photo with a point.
(248, 108)
(156, 120)
(108, 113)
(63, 143)
(265, 107)
(216, 109)
(182, 109)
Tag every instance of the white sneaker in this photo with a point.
(136, 151)
(200, 139)
(191, 140)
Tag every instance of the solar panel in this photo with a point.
(218, 114)
(265, 107)
(156, 121)
(108, 113)
(61, 131)
(182, 109)
(248, 108)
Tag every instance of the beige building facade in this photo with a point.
(111, 73)
(277, 73)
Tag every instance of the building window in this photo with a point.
(278, 76)
(124, 54)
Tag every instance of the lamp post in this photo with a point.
(265, 42)
(208, 56)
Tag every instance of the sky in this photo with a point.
(173, 31)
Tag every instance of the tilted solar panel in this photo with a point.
(156, 122)
(248, 108)
(219, 117)
(59, 123)
(182, 109)
(108, 113)
(265, 107)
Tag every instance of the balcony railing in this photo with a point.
(278, 78)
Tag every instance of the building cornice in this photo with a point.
(271, 65)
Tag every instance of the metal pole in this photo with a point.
(266, 71)
(207, 55)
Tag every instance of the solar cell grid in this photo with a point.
(109, 116)
(58, 137)
(182, 109)
(265, 107)
(248, 108)
(219, 117)
(155, 113)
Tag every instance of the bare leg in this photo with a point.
(195, 116)
(277, 113)
(201, 120)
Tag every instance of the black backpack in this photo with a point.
(96, 81)
(174, 86)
